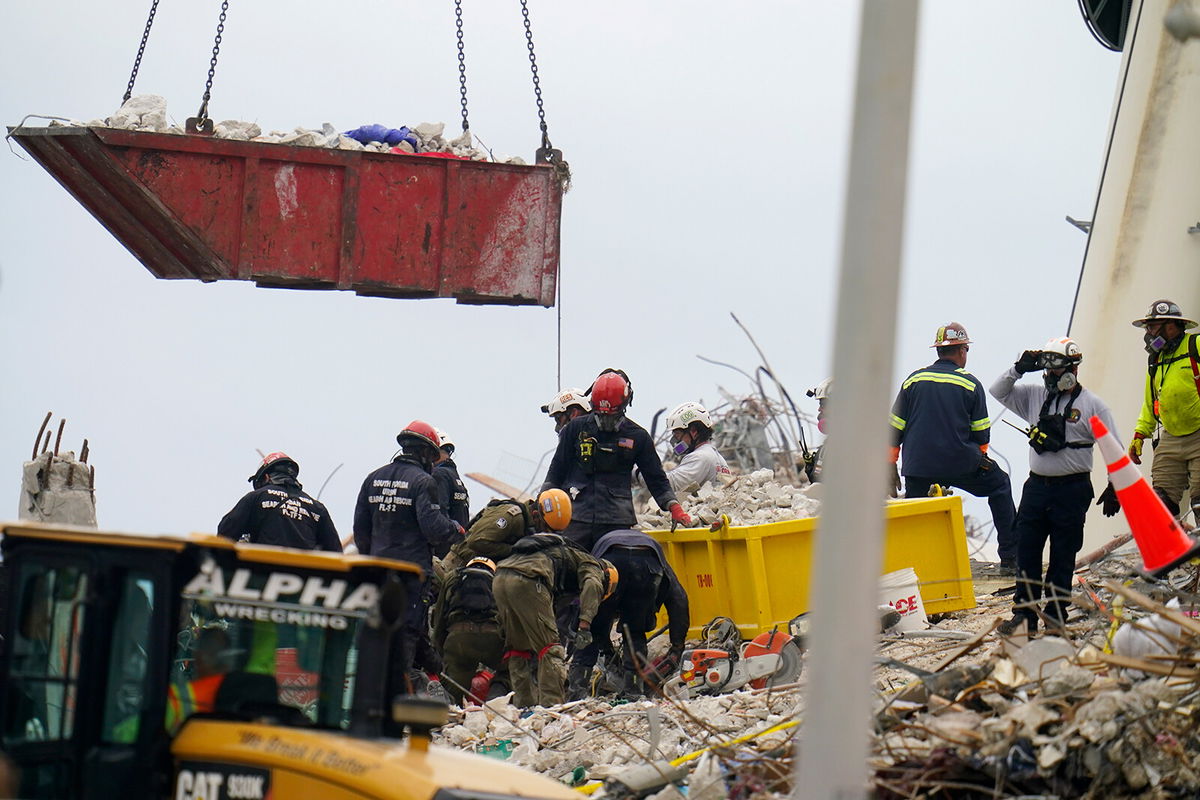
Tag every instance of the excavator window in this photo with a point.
(125, 694)
(290, 660)
(44, 675)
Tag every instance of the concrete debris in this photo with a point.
(148, 112)
(1052, 716)
(751, 499)
(55, 485)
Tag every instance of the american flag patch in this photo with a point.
(625, 442)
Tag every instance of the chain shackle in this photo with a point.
(137, 61)
(202, 115)
(462, 65)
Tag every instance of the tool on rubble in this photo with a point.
(725, 664)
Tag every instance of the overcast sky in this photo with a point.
(708, 143)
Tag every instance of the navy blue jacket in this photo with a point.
(452, 492)
(281, 514)
(670, 590)
(595, 468)
(940, 419)
(398, 516)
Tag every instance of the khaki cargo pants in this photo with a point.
(526, 610)
(1176, 465)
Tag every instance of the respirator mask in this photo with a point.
(678, 446)
(1156, 343)
(1060, 383)
(609, 423)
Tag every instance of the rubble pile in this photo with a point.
(603, 740)
(961, 712)
(750, 499)
(148, 112)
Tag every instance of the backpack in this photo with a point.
(473, 596)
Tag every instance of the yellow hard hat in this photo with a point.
(555, 506)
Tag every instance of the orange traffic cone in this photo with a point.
(1161, 540)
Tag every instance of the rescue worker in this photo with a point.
(466, 626)
(1056, 496)
(452, 492)
(279, 512)
(1170, 415)
(691, 430)
(566, 406)
(646, 584)
(502, 523)
(210, 665)
(543, 568)
(940, 419)
(814, 465)
(594, 465)
(398, 516)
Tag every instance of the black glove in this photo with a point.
(583, 637)
(894, 488)
(1028, 361)
(1108, 499)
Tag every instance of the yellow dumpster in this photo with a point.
(758, 575)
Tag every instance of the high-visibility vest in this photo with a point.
(192, 697)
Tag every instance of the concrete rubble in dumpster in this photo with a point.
(148, 112)
(751, 499)
(1052, 716)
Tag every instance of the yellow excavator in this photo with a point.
(196, 668)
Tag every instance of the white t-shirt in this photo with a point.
(697, 468)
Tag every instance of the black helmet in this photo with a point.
(274, 464)
(1165, 311)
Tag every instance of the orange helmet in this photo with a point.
(611, 393)
(555, 506)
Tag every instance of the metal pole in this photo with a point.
(833, 750)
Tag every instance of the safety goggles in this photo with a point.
(1054, 361)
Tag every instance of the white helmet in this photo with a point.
(444, 440)
(687, 413)
(822, 390)
(566, 398)
(1062, 352)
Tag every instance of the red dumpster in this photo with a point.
(314, 218)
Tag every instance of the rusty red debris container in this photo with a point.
(377, 224)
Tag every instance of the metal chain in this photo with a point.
(137, 62)
(202, 114)
(462, 64)
(537, 84)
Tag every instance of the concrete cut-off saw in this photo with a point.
(725, 664)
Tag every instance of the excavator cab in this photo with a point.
(194, 667)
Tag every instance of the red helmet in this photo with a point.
(418, 431)
(611, 393)
(269, 460)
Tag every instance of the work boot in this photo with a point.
(578, 681)
(1010, 627)
(633, 688)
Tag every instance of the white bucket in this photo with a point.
(899, 590)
